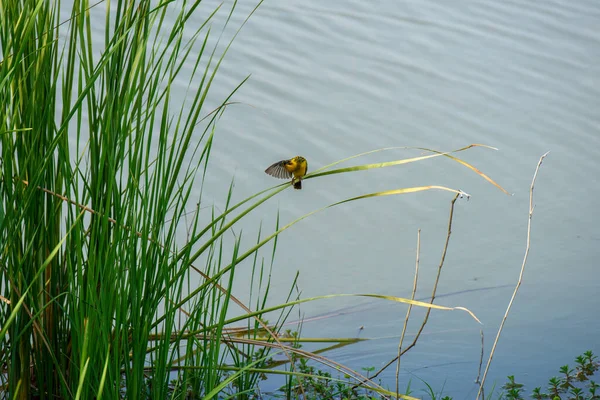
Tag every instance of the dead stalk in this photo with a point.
(531, 207)
(437, 279)
(414, 291)
(477, 380)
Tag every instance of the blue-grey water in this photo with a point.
(330, 79)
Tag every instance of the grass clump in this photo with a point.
(571, 384)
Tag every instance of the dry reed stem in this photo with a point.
(414, 291)
(480, 364)
(527, 247)
(426, 318)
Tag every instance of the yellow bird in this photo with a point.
(294, 168)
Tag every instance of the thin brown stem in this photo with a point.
(527, 247)
(414, 291)
(437, 279)
(477, 380)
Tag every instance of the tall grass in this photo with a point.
(86, 287)
(100, 163)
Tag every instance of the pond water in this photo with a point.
(330, 79)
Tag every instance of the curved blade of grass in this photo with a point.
(331, 296)
(409, 160)
(399, 148)
(474, 169)
(16, 131)
(372, 166)
(251, 251)
(403, 191)
(360, 155)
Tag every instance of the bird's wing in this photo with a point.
(278, 170)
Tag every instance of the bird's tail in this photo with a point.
(298, 184)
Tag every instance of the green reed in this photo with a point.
(95, 185)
